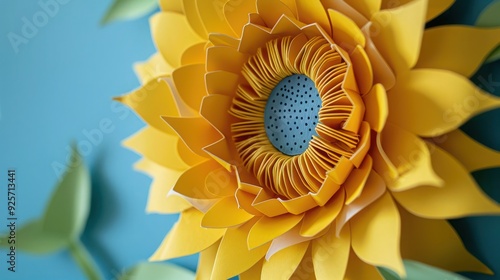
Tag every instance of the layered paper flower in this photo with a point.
(306, 139)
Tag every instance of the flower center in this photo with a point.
(291, 114)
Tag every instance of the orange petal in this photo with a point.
(431, 102)
(267, 229)
(435, 242)
(458, 197)
(472, 154)
(195, 139)
(397, 33)
(224, 214)
(233, 256)
(168, 27)
(330, 254)
(187, 237)
(461, 49)
(215, 110)
(223, 83)
(376, 235)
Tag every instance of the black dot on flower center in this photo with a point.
(292, 138)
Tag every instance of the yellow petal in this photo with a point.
(411, 157)
(195, 139)
(223, 83)
(226, 59)
(253, 273)
(187, 237)
(222, 153)
(195, 54)
(152, 101)
(377, 107)
(157, 146)
(330, 254)
(237, 13)
(458, 197)
(225, 213)
(198, 182)
(312, 11)
(215, 109)
(461, 49)
(397, 33)
(472, 154)
(267, 229)
(190, 84)
(206, 262)
(357, 269)
(194, 18)
(305, 270)
(362, 69)
(345, 32)
(375, 188)
(284, 263)
(233, 256)
(382, 72)
(376, 234)
(431, 102)
(319, 218)
(356, 181)
(212, 16)
(153, 68)
(272, 10)
(168, 27)
(365, 7)
(437, 7)
(436, 243)
(163, 181)
(171, 5)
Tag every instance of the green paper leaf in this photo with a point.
(417, 271)
(33, 239)
(128, 9)
(145, 271)
(65, 216)
(489, 17)
(69, 206)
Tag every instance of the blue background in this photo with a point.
(58, 88)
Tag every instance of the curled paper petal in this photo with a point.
(448, 98)
(284, 263)
(459, 196)
(187, 231)
(380, 221)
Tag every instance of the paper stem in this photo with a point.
(84, 260)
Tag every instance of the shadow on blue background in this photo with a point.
(58, 87)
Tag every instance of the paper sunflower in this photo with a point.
(311, 139)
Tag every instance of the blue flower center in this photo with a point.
(291, 114)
